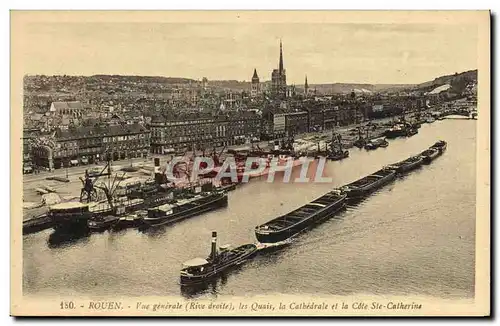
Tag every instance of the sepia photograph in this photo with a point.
(250, 163)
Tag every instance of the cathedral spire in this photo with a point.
(255, 76)
(281, 58)
(306, 87)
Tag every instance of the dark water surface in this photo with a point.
(415, 236)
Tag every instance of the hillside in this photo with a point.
(338, 88)
(470, 75)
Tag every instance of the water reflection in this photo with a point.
(65, 238)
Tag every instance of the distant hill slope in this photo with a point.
(457, 81)
(337, 88)
(470, 76)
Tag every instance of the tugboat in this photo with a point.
(199, 270)
(184, 208)
(289, 225)
(366, 185)
(407, 165)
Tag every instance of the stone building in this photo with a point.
(83, 145)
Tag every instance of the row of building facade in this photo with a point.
(164, 135)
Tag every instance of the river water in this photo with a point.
(415, 236)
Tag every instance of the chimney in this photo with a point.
(213, 254)
(156, 171)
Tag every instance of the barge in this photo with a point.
(407, 165)
(430, 155)
(200, 270)
(185, 208)
(440, 146)
(102, 223)
(368, 184)
(288, 225)
(133, 220)
(337, 156)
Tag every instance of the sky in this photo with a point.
(326, 52)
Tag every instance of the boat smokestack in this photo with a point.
(156, 171)
(213, 253)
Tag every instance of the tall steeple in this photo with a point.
(281, 59)
(255, 76)
(306, 88)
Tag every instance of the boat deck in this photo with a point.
(303, 212)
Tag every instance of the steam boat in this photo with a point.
(199, 270)
(184, 208)
(366, 185)
(288, 225)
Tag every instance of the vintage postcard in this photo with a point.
(250, 163)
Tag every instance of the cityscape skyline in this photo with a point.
(326, 53)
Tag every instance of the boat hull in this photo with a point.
(338, 157)
(282, 235)
(428, 158)
(408, 166)
(391, 134)
(101, 226)
(173, 218)
(217, 269)
(37, 224)
(363, 191)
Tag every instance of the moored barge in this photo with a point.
(288, 225)
(184, 208)
(199, 270)
(102, 223)
(376, 143)
(133, 220)
(338, 155)
(70, 215)
(366, 185)
(37, 224)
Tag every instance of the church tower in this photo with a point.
(306, 88)
(255, 91)
(278, 77)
